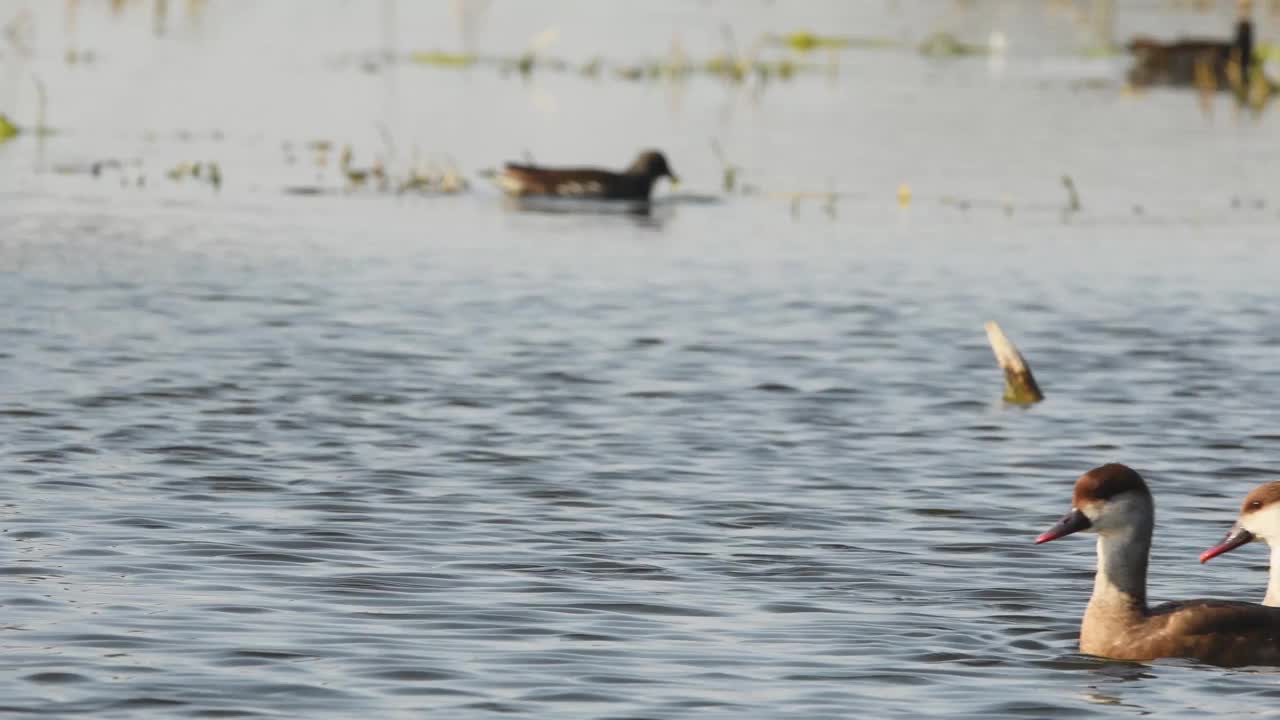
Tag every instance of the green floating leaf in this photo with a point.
(1267, 52)
(804, 41)
(944, 44)
(442, 59)
(8, 130)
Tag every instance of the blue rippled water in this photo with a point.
(278, 456)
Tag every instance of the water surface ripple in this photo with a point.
(278, 456)
(637, 480)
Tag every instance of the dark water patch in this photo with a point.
(793, 607)
(569, 378)
(269, 655)
(644, 609)
(505, 708)
(147, 703)
(55, 678)
(945, 513)
(1034, 709)
(411, 675)
(270, 557)
(32, 571)
(430, 691)
(361, 398)
(111, 641)
(490, 457)
(652, 394)
(458, 401)
(295, 690)
(647, 341)
(26, 413)
(27, 602)
(141, 523)
(31, 535)
(569, 696)
(194, 454)
(237, 609)
(228, 484)
(105, 400)
(592, 637)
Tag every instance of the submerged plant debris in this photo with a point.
(805, 41)
(1020, 387)
(435, 175)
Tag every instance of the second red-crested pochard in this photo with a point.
(1113, 501)
(1259, 520)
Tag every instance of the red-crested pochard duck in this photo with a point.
(1113, 501)
(1259, 520)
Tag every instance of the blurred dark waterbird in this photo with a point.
(634, 183)
(1195, 62)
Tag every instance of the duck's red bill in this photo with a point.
(1235, 538)
(1072, 522)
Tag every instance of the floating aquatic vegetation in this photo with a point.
(358, 176)
(728, 171)
(97, 168)
(1073, 198)
(443, 59)
(205, 172)
(8, 130)
(75, 56)
(435, 177)
(133, 173)
(827, 201)
(592, 67)
(728, 66)
(944, 44)
(1101, 51)
(804, 41)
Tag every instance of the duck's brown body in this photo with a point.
(1220, 632)
(1113, 501)
(634, 183)
(574, 182)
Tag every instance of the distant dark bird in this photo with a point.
(1226, 64)
(634, 183)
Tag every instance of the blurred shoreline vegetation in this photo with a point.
(730, 65)
(331, 166)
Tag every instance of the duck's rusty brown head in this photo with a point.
(1108, 498)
